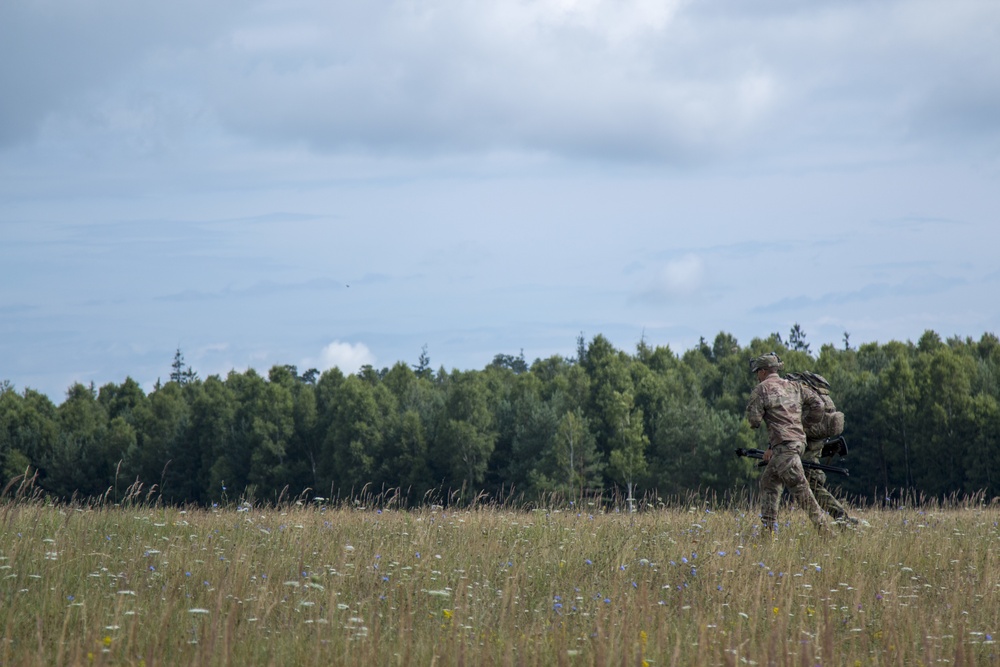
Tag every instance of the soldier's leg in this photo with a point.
(817, 482)
(770, 496)
(826, 500)
(793, 476)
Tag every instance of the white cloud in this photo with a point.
(348, 357)
(682, 277)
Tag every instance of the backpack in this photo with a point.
(832, 423)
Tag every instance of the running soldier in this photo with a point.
(830, 426)
(783, 407)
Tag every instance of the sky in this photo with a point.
(337, 183)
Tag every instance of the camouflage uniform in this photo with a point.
(782, 405)
(816, 434)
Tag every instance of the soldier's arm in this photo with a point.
(755, 408)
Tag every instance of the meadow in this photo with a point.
(357, 584)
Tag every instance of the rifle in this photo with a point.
(759, 454)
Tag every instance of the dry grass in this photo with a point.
(147, 585)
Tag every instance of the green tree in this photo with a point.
(572, 466)
(465, 438)
(897, 407)
(212, 432)
(28, 433)
(272, 427)
(353, 444)
(82, 461)
(627, 460)
(162, 455)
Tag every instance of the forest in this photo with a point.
(921, 418)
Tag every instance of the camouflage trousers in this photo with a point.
(817, 482)
(785, 469)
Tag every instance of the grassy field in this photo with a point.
(147, 585)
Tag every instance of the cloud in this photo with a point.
(675, 279)
(348, 357)
(925, 286)
(670, 81)
(630, 79)
(53, 54)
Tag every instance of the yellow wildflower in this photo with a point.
(446, 613)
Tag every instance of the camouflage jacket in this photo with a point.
(783, 406)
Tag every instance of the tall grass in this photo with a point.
(688, 582)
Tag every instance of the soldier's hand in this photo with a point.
(767, 454)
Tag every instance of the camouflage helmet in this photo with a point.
(769, 361)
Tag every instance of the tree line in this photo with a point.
(921, 416)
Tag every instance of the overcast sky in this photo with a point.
(329, 182)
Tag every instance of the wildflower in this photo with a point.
(106, 641)
(446, 613)
(588, 562)
(775, 610)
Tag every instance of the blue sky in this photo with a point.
(339, 183)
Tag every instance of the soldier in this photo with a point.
(782, 405)
(830, 426)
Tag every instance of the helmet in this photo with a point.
(770, 361)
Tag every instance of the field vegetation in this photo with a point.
(366, 583)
